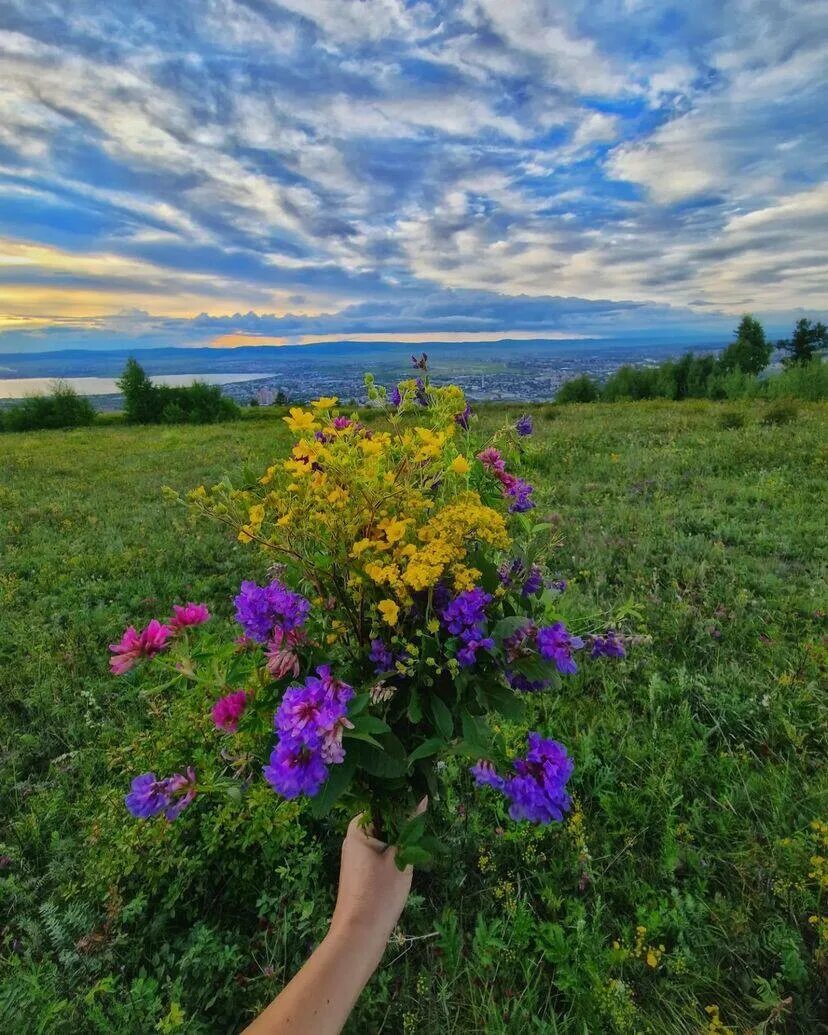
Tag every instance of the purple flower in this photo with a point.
(462, 418)
(228, 710)
(517, 681)
(533, 583)
(341, 423)
(150, 796)
(395, 398)
(295, 769)
(310, 721)
(519, 491)
(420, 391)
(524, 425)
(382, 656)
(261, 609)
(420, 362)
(556, 643)
(465, 617)
(607, 646)
(537, 790)
(558, 585)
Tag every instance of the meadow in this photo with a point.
(685, 892)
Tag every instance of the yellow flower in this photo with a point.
(432, 625)
(359, 548)
(460, 465)
(389, 610)
(325, 402)
(300, 420)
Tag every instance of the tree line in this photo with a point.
(733, 374)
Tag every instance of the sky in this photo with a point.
(226, 172)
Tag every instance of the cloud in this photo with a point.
(375, 165)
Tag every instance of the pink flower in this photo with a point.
(136, 645)
(492, 460)
(282, 659)
(190, 614)
(228, 710)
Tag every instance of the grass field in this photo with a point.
(690, 874)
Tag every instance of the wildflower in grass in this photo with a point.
(260, 609)
(228, 710)
(607, 646)
(557, 585)
(517, 681)
(420, 362)
(395, 398)
(462, 418)
(150, 796)
(459, 465)
(556, 643)
(518, 490)
(147, 797)
(189, 614)
(524, 425)
(537, 788)
(133, 646)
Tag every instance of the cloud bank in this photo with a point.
(201, 172)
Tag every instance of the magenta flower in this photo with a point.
(189, 614)
(135, 645)
(228, 710)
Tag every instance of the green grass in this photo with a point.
(700, 760)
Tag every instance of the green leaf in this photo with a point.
(333, 788)
(358, 705)
(377, 761)
(475, 730)
(415, 708)
(371, 724)
(427, 748)
(413, 830)
(365, 737)
(502, 699)
(413, 855)
(442, 718)
(506, 626)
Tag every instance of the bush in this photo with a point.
(581, 389)
(64, 408)
(731, 419)
(147, 403)
(783, 411)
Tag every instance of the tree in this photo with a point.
(750, 352)
(140, 396)
(807, 340)
(578, 389)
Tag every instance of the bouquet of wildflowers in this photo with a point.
(406, 603)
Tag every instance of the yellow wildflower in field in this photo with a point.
(460, 465)
(326, 402)
(300, 420)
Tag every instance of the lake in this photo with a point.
(20, 387)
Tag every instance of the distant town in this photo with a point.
(506, 371)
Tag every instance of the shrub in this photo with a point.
(147, 403)
(581, 389)
(731, 419)
(64, 408)
(783, 411)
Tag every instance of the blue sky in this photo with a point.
(175, 172)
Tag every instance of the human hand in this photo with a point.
(372, 890)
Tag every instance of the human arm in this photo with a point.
(372, 894)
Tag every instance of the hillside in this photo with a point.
(685, 877)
